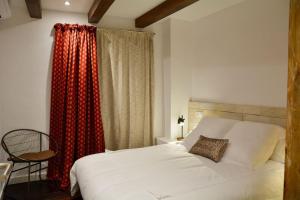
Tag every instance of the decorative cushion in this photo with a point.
(212, 127)
(210, 148)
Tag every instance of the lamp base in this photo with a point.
(180, 138)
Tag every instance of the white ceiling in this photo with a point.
(203, 8)
(134, 8)
(79, 6)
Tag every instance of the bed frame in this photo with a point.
(265, 114)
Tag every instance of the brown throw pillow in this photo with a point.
(210, 148)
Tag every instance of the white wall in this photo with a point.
(25, 71)
(25, 61)
(182, 58)
(242, 54)
(25, 64)
(237, 55)
(25, 68)
(0, 119)
(161, 64)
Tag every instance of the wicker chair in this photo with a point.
(30, 147)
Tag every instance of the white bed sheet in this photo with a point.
(168, 172)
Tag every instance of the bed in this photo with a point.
(170, 172)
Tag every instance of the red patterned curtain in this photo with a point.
(75, 118)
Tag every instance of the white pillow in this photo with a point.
(251, 143)
(279, 152)
(212, 127)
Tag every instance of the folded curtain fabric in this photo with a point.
(126, 81)
(75, 118)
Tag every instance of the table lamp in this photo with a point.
(180, 122)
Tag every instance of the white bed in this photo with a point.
(169, 172)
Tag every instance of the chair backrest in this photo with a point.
(20, 141)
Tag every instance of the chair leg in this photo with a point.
(5, 187)
(12, 168)
(28, 184)
(40, 171)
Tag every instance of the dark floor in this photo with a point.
(39, 190)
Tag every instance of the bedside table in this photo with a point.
(165, 140)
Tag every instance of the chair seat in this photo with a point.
(37, 156)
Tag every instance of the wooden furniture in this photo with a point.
(165, 140)
(292, 158)
(28, 146)
(5, 171)
(264, 114)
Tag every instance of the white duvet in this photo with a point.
(168, 172)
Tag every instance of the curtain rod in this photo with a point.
(121, 29)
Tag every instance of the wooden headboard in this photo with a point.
(271, 115)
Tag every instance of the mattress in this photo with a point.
(169, 172)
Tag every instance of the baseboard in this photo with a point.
(24, 178)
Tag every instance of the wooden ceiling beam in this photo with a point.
(98, 9)
(161, 11)
(34, 8)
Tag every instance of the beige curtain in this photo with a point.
(126, 83)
